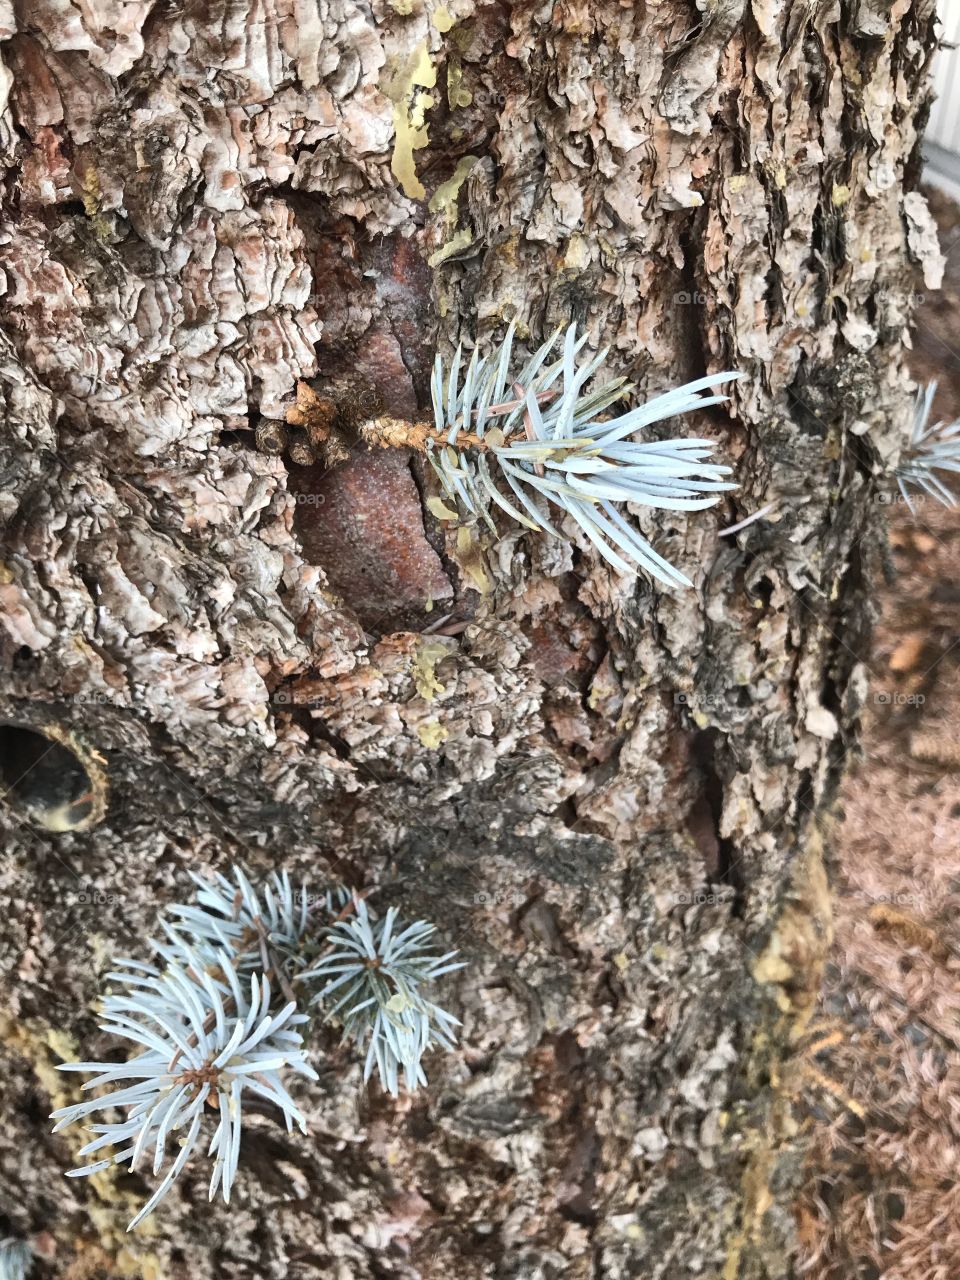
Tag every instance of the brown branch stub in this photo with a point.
(385, 432)
(316, 414)
(396, 433)
(271, 437)
(302, 453)
(399, 433)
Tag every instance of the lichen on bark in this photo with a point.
(606, 795)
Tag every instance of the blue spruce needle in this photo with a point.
(931, 449)
(214, 1029)
(376, 972)
(546, 437)
(194, 1052)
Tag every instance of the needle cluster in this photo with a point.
(377, 972)
(16, 1259)
(217, 1022)
(932, 448)
(543, 435)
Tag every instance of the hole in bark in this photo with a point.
(45, 781)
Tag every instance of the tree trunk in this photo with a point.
(225, 642)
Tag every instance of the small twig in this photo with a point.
(208, 1025)
(447, 629)
(436, 624)
(396, 433)
(393, 433)
(271, 964)
(346, 909)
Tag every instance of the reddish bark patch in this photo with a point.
(379, 324)
(363, 523)
(555, 659)
(379, 361)
(404, 300)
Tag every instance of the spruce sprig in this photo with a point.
(931, 449)
(217, 1022)
(377, 972)
(544, 433)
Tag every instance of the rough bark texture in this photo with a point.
(609, 797)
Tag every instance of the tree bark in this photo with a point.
(612, 799)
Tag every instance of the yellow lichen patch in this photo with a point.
(757, 1199)
(424, 669)
(470, 560)
(410, 105)
(461, 240)
(576, 255)
(90, 1262)
(770, 966)
(841, 195)
(44, 1048)
(791, 966)
(90, 191)
(92, 198)
(439, 510)
(793, 957)
(432, 733)
(457, 95)
(443, 20)
(147, 1266)
(444, 199)
(40, 1044)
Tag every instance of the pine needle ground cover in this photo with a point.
(883, 1196)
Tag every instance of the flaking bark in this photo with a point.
(610, 798)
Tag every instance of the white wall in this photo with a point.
(942, 142)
